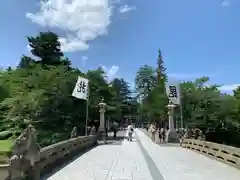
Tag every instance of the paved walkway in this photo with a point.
(176, 163)
(144, 160)
(107, 162)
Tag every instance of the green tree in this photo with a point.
(46, 47)
(122, 96)
(26, 62)
(161, 70)
(145, 80)
(39, 91)
(151, 86)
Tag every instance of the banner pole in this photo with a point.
(181, 112)
(181, 109)
(86, 123)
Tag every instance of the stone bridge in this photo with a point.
(84, 158)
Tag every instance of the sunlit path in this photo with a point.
(142, 159)
(108, 162)
(183, 164)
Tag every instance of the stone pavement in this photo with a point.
(142, 159)
(130, 163)
(177, 163)
(107, 162)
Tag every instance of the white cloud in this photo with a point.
(225, 3)
(126, 8)
(110, 72)
(228, 87)
(84, 59)
(72, 45)
(82, 20)
(29, 48)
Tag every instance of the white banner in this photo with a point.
(173, 92)
(81, 89)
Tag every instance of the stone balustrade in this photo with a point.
(224, 153)
(4, 171)
(227, 154)
(54, 153)
(35, 163)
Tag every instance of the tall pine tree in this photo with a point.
(158, 94)
(46, 47)
(161, 72)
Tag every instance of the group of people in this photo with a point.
(162, 133)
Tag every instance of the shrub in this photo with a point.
(5, 135)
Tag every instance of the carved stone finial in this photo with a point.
(25, 153)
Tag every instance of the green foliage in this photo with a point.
(46, 47)
(26, 62)
(39, 91)
(150, 85)
(145, 80)
(5, 135)
(161, 70)
(204, 107)
(5, 146)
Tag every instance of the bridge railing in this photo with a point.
(52, 154)
(224, 153)
(31, 161)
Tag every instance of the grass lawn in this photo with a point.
(5, 148)
(6, 145)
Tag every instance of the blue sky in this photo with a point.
(196, 37)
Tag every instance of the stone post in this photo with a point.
(172, 134)
(102, 127)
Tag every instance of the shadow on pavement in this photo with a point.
(66, 161)
(169, 144)
(114, 141)
(63, 163)
(155, 172)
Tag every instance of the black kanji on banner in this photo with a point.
(81, 87)
(172, 92)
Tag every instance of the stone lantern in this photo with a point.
(102, 127)
(172, 134)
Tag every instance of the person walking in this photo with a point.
(129, 132)
(164, 134)
(114, 129)
(153, 132)
(161, 135)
